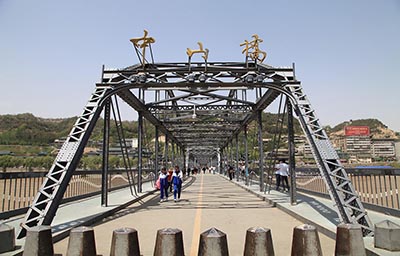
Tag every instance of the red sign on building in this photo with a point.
(356, 130)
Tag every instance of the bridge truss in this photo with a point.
(201, 108)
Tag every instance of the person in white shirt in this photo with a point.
(282, 174)
(163, 185)
(177, 178)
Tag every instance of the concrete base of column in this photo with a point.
(125, 242)
(306, 241)
(258, 242)
(169, 242)
(349, 240)
(7, 238)
(213, 242)
(81, 242)
(39, 242)
(387, 235)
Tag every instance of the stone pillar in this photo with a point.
(306, 241)
(169, 242)
(125, 242)
(387, 235)
(81, 242)
(7, 238)
(39, 242)
(258, 242)
(349, 240)
(213, 242)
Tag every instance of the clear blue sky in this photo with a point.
(347, 53)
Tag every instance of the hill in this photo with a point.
(27, 129)
(377, 128)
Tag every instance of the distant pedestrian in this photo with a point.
(163, 185)
(177, 183)
(231, 172)
(282, 174)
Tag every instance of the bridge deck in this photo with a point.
(211, 201)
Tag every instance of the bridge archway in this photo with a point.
(201, 108)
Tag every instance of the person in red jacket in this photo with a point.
(170, 173)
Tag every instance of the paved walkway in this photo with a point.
(211, 201)
(317, 211)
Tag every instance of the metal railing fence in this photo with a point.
(18, 189)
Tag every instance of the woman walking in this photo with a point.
(163, 185)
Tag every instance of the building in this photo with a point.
(383, 148)
(358, 144)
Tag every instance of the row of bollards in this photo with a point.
(213, 242)
(258, 241)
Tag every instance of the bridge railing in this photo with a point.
(377, 188)
(18, 189)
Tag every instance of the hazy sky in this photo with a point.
(347, 53)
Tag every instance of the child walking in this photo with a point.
(177, 182)
(163, 185)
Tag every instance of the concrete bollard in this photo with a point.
(258, 242)
(387, 235)
(125, 242)
(213, 242)
(81, 242)
(7, 238)
(39, 242)
(169, 242)
(306, 241)
(349, 240)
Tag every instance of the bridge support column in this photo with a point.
(166, 152)
(106, 142)
(246, 156)
(140, 150)
(156, 160)
(292, 158)
(237, 157)
(260, 150)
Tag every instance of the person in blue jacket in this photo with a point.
(177, 183)
(164, 185)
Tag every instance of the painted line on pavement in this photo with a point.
(197, 221)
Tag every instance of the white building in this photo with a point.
(383, 148)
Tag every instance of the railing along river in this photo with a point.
(18, 189)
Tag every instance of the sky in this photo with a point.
(347, 53)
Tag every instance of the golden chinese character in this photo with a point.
(190, 52)
(252, 50)
(143, 42)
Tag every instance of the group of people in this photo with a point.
(168, 181)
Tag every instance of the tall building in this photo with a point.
(384, 148)
(358, 144)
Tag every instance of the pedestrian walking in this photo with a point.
(177, 183)
(282, 174)
(163, 185)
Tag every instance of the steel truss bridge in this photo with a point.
(200, 108)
